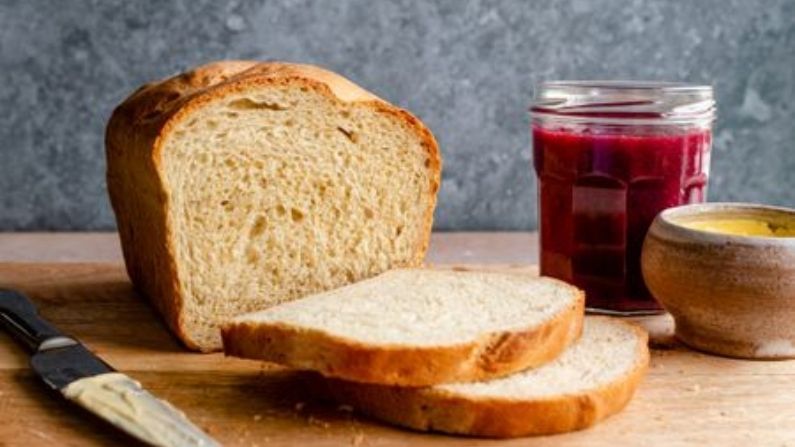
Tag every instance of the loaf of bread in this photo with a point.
(239, 185)
(417, 327)
(593, 379)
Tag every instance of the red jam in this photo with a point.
(599, 190)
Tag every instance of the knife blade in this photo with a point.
(67, 366)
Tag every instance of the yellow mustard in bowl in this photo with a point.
(742, 227)
(726, 273)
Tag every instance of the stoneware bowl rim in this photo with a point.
(667, 220)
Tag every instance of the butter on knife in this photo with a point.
(67, 366)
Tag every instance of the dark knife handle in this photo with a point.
(20, 317)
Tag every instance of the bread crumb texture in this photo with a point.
(425, 308)
(279, 180)
(603, 353)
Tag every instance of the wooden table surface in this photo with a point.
(78, 282)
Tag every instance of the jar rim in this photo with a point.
(624, 102)
(667, 86)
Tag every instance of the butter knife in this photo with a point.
(67, 366)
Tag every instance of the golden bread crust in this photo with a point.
(430, 409)
(491, 356)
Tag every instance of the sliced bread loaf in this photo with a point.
(593, 379)
(416, 327)
(239, 185)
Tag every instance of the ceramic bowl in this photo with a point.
(729, 294)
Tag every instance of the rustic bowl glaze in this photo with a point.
(730, 295)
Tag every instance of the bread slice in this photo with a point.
(239, 185)
(416, 327)
(591, 380)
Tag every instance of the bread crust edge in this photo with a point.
(433, 410)
(490, 356)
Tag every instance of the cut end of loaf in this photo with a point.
(282, 190)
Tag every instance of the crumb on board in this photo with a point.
(345, 408)
(318, 422)
(694, 388)
(357, 439)
(257, 417)
(299, 406)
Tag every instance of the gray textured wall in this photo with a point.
(465, 67)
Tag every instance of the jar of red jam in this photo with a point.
(609, 156)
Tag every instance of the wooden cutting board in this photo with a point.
(688, 398)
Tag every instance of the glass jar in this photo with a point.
(609, 156)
